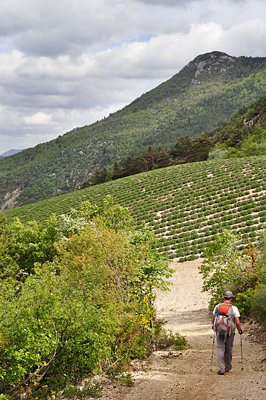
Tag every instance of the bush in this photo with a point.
(87, 310)
(258, 306)
(243, 301)
(165, 338)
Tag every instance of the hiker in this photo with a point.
(224, 321)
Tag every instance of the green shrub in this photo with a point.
(258, 306)
(243, 301)
(90, 389)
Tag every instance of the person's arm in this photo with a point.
(238, 325)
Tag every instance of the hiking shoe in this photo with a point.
(228, 369)
(220, 373)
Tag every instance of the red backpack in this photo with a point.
(224, 317)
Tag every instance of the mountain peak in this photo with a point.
(209, 62)
(10, 152)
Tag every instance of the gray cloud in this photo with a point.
(68, 64)
(168, 3)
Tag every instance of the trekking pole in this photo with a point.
(241, 345)
(213, 341)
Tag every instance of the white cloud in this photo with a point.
(39, 118)
(247, 38)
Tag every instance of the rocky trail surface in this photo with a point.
(192, 374)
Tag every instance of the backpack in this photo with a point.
(224, 317)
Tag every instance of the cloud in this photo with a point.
(168, 3)
(54, 28)
(247, 38)
(65, 64)
(39, 118)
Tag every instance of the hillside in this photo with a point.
(203, 95)
(245, 135)
(185, 205)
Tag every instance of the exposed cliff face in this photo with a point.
(10, 200)
(258, 116)
(211, 62)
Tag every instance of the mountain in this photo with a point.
(10, 152)
(201, 97)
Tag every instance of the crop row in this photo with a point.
(186, 206)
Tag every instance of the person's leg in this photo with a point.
(228, 352)
(220, 353)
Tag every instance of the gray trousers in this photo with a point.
(224, 352)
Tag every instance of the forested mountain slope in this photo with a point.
(244, 135)
(204, 94)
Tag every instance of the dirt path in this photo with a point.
(188, 375)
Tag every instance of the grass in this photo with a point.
(185, 205)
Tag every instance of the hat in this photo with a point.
(228, 295)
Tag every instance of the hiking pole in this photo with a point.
(213, 341)
(241, 345)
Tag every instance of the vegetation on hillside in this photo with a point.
(244, 135)
(80, 303)
(185, 150)
(198, 99)
(185, 205)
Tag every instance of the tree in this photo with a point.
(228, 266)
(33, 243)
(89, 308)
(99, 176)
(163, 158)
(200, 148)
(8, 259)
(182, 148)
(116, 171)
(128, 166)
(111, 215)
(139, 164)
(150, 158)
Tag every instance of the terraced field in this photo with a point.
(185, 205)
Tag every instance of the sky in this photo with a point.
(69, 63)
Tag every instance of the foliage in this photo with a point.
(229, 267)
(259, 304)
(111, 215)
(8, 263)
(244, 135)
(185, 150)
(90, 389)
(258, 309)
(165, 338)
(244, 301)
(33, 243)
(240, 269)
(217, 153)
(88, 309)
